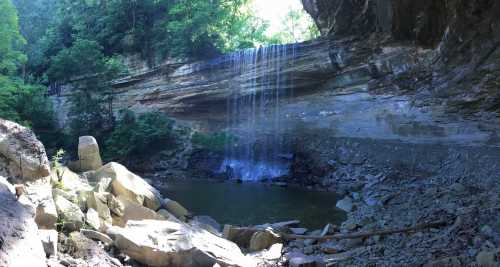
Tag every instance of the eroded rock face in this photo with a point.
(20, 244)
(22, 156)
(165, 243)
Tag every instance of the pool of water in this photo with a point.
(255, 203)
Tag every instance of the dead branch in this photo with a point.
(418, 227)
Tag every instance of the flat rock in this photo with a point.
(165, 243)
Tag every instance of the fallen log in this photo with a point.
(418, 227)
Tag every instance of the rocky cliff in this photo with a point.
(411, 72)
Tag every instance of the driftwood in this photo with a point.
(418, 227)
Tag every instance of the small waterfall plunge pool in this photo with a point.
(249, 204)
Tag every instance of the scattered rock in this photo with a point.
(488, 258)
(301, 260)
(298, 231)
(88, 154)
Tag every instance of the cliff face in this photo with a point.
(398, 73)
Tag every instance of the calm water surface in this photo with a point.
(254, 203)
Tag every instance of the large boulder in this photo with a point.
(22, 156)
(20, 245)
(165, 243)
(129, 185)
(133, 211)
(99, 203)
(69, 213)
(66, 179)
(176, 209)
(263, 240)
(40, 194)
(88, 154)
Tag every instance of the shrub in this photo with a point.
(137, 136)
(215, 142)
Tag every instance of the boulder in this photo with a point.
(207, 223)
(22, 153)
(92, 219)
(46, 215)
(115, 206)
(296, 259)
(94, 235)
(127, 184)
(176, 209)
(346, 204)
(167, 215)
(69, 213)
(20, 244)
(239, 235)
(263, 240)
(103, 185)
(99, 202)
(165, 243)
(69, 181)
(40, 194)
(88, 154)
(134, 211)
(49, 241)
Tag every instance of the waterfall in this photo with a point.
(258, 149)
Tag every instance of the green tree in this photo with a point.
(11, 41)
(136, 136)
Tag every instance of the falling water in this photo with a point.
(254, 117)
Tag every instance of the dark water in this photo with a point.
(254, 203)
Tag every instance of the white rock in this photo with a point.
(94, 235)
(165, 243)
(129, 185)
(70, 213)
(25, 155)
(133, 211)
(345, 204)
(92, 219)
(88, 154)
(176, 209)
(20, 242)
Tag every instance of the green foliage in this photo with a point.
(11, 41)
(139, 135)
(56, 164)
(297, 26)
(215, 142)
